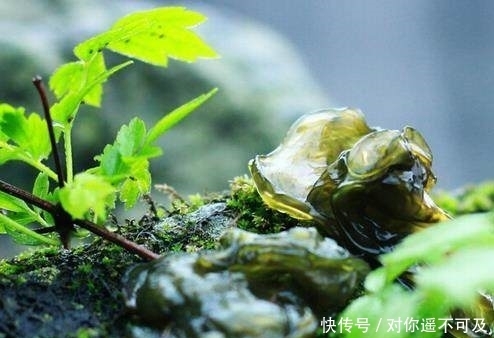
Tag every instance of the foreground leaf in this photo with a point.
(22, 234)
(431, 245)
(72, 77)
(27, 134)
(86, 193)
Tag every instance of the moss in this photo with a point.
(53, 292)
(77, 293)
(251, 212)
(467, 200)
(62, 291)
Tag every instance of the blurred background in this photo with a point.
(422, 63)
(425, 63)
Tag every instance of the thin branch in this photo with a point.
(27, 197)
(61, 216)
(38, 83)
(117, 239)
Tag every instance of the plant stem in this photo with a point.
(117, 239)
(26, 196)
(67, 142)
(61, 216)
(29, 160)
(38, 83)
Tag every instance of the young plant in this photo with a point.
(61, 198)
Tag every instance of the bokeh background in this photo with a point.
(428, 64)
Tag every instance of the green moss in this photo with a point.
(80, 290)
(251, 212)
(470, 199)
(86, 332)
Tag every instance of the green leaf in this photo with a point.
(28, 133)
(86, 193)
(38, 146)
(138, 182)
(66, 78)
(41, 186)
(73, 76)
(152, 36)
(89, 91)
(23, 235)
(125, 162)
(385, 313)
(111, 163)
(14, 124)
(452, 262)
(456, 280)
(171, 119)
(432, 244)
(12, 203)
(130, 138)
(129, 144)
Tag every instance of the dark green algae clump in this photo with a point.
(365, 187)
(274, 285)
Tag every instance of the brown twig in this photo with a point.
(61, 216)
(38, 83)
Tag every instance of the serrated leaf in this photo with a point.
(74, 76)
(177, 115)
(13, 124)
(110, 161)
(41, 186)
(125, 162)
(137, 183)
(130, 138)
(28, 133)
(86, 193)
(152, 36)
(66, 78)
(39, 146)
(64, 110)
(128, 143)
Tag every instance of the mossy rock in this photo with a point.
(78, 293)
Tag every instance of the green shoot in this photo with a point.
(151, 36)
